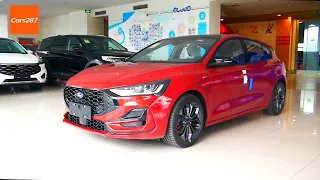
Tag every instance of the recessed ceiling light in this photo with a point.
(221, 19)
(279, 15)
(289, 17)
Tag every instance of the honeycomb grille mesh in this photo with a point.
(14, 69)
(100, 102)
(91, 124)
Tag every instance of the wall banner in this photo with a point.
(140, 29)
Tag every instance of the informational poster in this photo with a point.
(140, 29)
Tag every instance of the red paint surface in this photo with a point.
(225, 94)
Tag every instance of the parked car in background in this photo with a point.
(175, 87)
(67, 55)
(19, 66)
(31, 48)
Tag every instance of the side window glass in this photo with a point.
(185, 55)
(73, 44)
(230, 52)
(59, 44)
(255, 52)
(267, 53)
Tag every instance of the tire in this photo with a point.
(277, 100)
(36, 87)
(181, 122)
(51, 81)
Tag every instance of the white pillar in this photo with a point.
(4, 28)
(214, 17)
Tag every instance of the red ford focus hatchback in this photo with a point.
(175, 87)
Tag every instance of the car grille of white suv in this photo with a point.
(13, 69)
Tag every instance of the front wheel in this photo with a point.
(186, 122)
(277, 100)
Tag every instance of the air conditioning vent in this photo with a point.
(99, 13)
(144, 6)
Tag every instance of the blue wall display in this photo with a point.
(140, 29)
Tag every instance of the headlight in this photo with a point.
(154, 88)
(110, 58)
(40, 60)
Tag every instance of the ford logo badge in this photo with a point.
(79, 95)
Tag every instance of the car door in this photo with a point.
(263, 72)
(229, 94)
(76, 56)
(56, 56)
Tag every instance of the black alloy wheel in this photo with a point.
(186, 122)
(277, 101)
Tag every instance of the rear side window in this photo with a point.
(267, 53)
(257, 52)
(59, 44)
(45, 43)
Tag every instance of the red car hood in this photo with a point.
(126, 74)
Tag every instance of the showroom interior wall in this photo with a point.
(4, 26)
(77, 22)
(115, 13)
(95, 26)
(257, 30)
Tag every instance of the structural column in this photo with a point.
(4, 29)
(214, 17)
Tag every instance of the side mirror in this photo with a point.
(76, 48)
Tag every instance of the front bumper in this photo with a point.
(39, 77)
(120, 123)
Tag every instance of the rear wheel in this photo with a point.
(277, 100)
(186, 122)
(36, 87)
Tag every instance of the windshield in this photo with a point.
(9, 46)
(100, 44)
(176, 50)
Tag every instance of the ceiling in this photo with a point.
(58, 7)
(268, 7)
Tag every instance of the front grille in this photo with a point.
(91, 124)
(11, 70)
(100, 102)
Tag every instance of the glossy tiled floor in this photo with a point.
(34, 143)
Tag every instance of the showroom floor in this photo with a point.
(35, 144)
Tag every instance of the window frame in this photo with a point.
(262, 45)
(216, 50)
(68, 42)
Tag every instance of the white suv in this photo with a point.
(19, 66)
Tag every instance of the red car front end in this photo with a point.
(117, 115)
